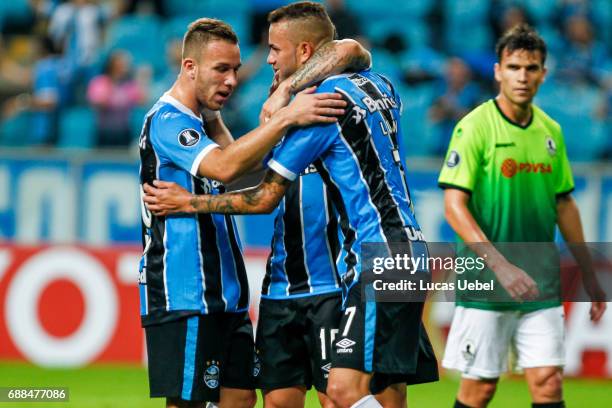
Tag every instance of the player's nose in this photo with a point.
(231, 80)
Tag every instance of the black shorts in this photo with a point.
(191, 358)
(294, 338)
(384, 338)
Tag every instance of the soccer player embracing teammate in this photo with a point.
(359, 160)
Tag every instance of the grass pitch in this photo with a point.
(110, 386)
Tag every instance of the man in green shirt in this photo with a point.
(507, 179)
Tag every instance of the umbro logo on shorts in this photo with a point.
(345, 346)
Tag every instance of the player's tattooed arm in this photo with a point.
(261, 199)
(330, 59)
(166, 198)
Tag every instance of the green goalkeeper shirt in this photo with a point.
(514, 175)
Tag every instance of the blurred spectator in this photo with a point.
(584, 60)
(44, 8)
(15, 77)
(77, 26)
(504, 18)
(569, 8)
(50, 92)
(113, 95)
(38, 90)
(459, 95)
(347, 23)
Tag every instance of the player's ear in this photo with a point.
(497, 71)
(544, 72)
(190, 68)
(305, 51)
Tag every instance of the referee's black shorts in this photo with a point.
(191, 358)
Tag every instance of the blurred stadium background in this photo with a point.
(76, 78)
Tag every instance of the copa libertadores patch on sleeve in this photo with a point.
(188, 137)
(453, 159)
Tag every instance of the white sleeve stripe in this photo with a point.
(196, 162)
(280, 169)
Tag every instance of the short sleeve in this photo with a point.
(181, 140)
(301, 147)
(269, 155)
(565, 179)
(465, 153)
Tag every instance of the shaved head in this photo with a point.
(304, 21)
(201, 32)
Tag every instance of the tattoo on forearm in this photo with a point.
(253, 200)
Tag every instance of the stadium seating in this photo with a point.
(466, 33)
(136, 121)
(252, 95)
(14, 11)
(387, 64)
(134, 34)
(416, 128)
(602, 12)
(467, 29)
(542, 11)
(585, 136)
(14, 130)
(175, 27)
(77, 128)
(207, 8)
(376, 8)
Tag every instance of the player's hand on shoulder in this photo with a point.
(308, 108)
(278, 97)
(516, 281)
(163, 198)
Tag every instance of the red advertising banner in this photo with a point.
(69, 305)
(75, 305)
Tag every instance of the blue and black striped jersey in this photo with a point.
(305, 243)
(191, 264)
(360, 162)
